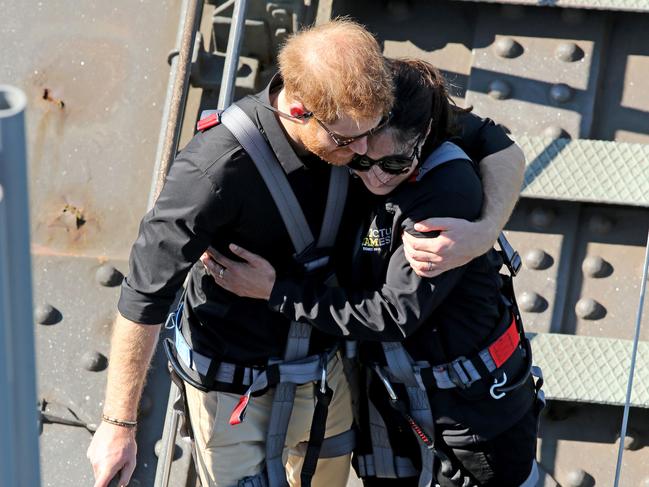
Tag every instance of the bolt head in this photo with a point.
(542, 217)
(94, 361)
(589, 309)
(157, 450)
(537, 259)
(555, 132)
(532, 302)
(561, 93)
(577, 478)
(108, 276)
(568, 52)
(508, 48)
(632, 440)
(499, 89)
(595, 266)
(46, 314)
(600, 224)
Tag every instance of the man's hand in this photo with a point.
(459, 242)
(112, 452)
(253, 278)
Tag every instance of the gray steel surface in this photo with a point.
(546, 81)
(586, 171)
(630, 5)
(95, 77)
(591, 369)
(19, 465)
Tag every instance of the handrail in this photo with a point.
(19, 458)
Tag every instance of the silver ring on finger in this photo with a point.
(221, 272)
(430, 267)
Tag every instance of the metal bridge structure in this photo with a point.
(113, 90)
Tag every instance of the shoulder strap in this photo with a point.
(446, 152)
(247, 133)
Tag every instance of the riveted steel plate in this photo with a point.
(584, 437)
(604, 288)
(591, 369)
(528, 88)
(63, 351)
(631, 5)
(404, 29)
(95, 76)
(547, 228)
(586, 170)
(623, 100)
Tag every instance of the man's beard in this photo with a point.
(337, 156)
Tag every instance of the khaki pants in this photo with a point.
(226, 454)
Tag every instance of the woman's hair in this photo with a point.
(421, 98)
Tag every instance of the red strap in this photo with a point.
(207, 122)
(239, 412)
(504, 347)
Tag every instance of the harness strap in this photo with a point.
(297, 346)
(401, 366)
(403, 466)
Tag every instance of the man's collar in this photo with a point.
(274, 131)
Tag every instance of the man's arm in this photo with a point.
(113, 448)
(461, 241)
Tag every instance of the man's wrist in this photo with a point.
(124, 423)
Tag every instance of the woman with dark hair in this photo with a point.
(446, 366)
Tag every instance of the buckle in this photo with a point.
(453, 368)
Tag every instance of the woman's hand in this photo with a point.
(253, 278)
(459, 242)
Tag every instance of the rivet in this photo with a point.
(595, 266)
(631, 440)
(46, 314)
(108, 276)
(499, 89)
(555, 132)
(561, 93)
(538, 259)
(600, 224)
(559, 411)
(146, 405)
(507, 47)
(157, 449)
(577, 478)
(532, 302)
(589, 309)
(568, 52)
(542, 217)
(94, 361)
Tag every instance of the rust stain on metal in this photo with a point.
(48, 96)
(77, 213)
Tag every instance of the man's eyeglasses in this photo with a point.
(342, 140)
(394, 164)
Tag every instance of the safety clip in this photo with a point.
(496, 385)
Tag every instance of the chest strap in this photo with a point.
(297, 345)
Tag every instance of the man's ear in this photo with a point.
(296, 110)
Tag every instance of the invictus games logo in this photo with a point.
(377, 238)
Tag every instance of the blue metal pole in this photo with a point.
(19, 459)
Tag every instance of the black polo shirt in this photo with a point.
(214, 195)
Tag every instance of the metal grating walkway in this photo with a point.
(590, 369)
(586, 170)
(629, 5)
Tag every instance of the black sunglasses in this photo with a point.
(342, 140)
(394, 164)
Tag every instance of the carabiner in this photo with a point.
(496, 384)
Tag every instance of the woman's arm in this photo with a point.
(390, 310)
